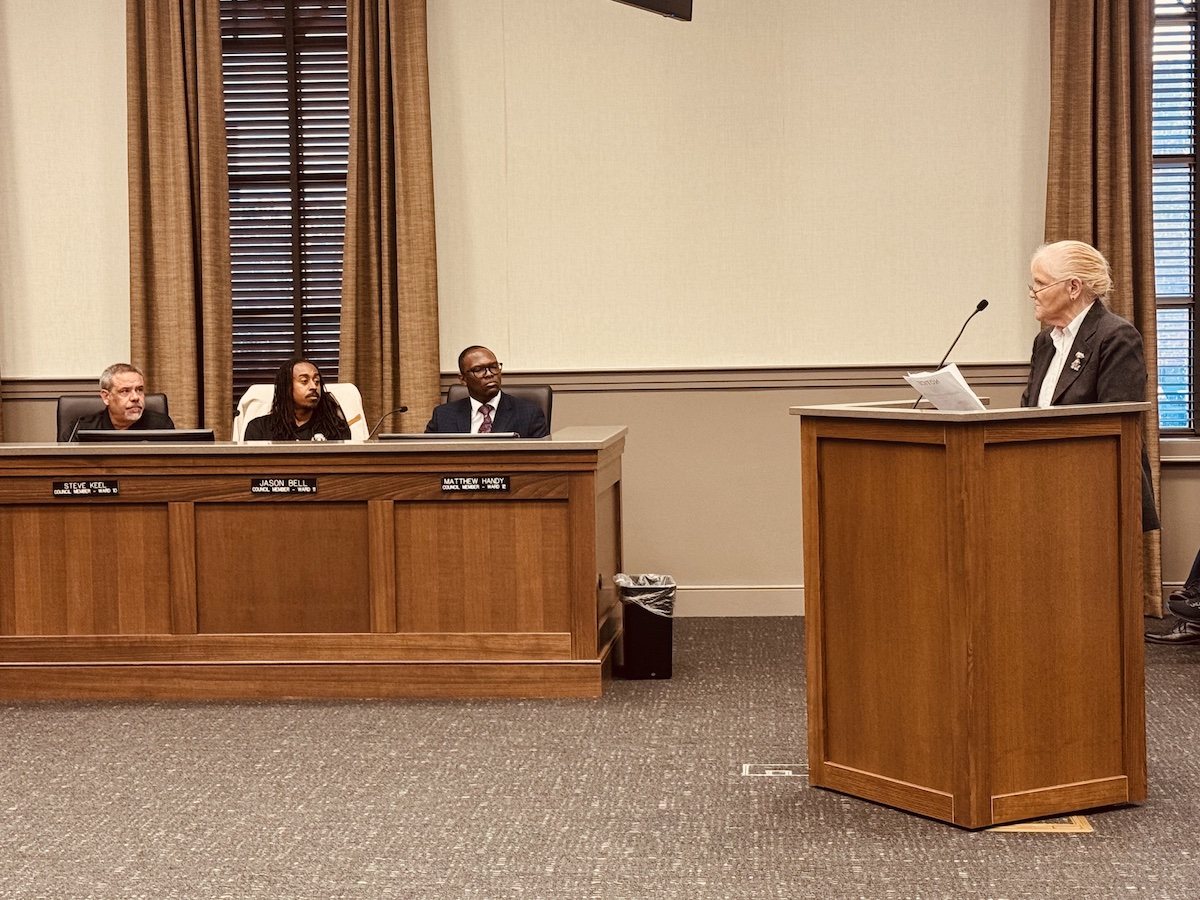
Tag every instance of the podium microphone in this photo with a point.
(399, 409)
(979, 307)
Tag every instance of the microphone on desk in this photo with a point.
(979, 307)
(74, 429)
(386, 416)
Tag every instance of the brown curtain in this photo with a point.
(389, 336)
(1099, 181)
(179, 290)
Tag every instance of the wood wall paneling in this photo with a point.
(482, 566)
(84, 569)
(288, 566)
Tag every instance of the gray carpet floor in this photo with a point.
(641, 794)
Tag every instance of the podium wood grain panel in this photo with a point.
(1050, 801)
(884, 598)
(1066, 641)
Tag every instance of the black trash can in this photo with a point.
(647, 606)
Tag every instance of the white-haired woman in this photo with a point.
(1089, 354)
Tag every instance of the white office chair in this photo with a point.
(258, 398)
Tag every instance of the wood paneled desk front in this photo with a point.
(973, 604)
(433, 568)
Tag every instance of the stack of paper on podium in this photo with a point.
(946, 389)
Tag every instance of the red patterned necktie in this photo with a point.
(485, 427)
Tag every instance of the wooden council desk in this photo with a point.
(440, 568)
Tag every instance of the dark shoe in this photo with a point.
(1185, 602)
(1182, 633)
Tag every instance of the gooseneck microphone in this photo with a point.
(979, 307)
(386, 416)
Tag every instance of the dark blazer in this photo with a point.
(101, 422)
(514, 414)
(1112, 367)
(1105, 364)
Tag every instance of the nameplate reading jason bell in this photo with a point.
(283, 485)
(454, 483)
(86, 488)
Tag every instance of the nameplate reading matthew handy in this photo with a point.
(86, 488)
(283, 485)
(452, 483)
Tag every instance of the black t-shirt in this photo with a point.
(259, 430)
(100, 421)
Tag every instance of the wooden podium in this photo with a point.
(973, 603)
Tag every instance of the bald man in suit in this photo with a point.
(486, 408)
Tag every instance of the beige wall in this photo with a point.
(618, 190)
(64, 202)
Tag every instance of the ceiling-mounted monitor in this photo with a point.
(672, 9)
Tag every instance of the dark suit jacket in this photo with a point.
(513, 414)
(101, 422)
(1105, 364)
(1112, 367)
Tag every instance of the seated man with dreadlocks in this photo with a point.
(302, 409)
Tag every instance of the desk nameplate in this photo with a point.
(283, 485)
(108, 487)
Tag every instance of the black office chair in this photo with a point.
(541, 395)
(71, 407)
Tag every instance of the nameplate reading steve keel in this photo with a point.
(455, 483)
(86, 488)
(283, 485)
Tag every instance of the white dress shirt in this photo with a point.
(477, 412)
